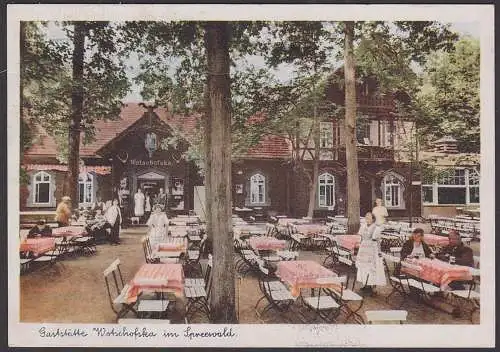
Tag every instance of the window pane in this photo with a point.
(38, 177)
(449, 195)
(42, 193)
(427, 194)
(474, 194)
(46, 177)
(395, 196)
(88, 193)
(81, 192)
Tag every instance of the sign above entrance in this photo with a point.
(151, 176)
(149, 162)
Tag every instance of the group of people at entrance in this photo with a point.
(369, 262)
(143, 204)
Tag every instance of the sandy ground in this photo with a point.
(74, 291)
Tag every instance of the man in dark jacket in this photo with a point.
(415, 246)
(463, 254)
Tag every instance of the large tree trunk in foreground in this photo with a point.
(71, 188)
(353, 211)
(222, 298)
(314, 182)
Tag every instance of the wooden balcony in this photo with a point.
(368, 152)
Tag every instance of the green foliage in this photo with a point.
(47, 82)
(450, 96)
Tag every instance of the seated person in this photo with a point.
(98, 226)
(40, 230)
(415, 246)
(463, 254)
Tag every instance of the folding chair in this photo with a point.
(48, 259)
(466, 297)
(388, 316)
(345, 297)
(324, 305)
(118, 291)
(192, 262)
(198, 297)
(86, 245)
(274, 291)
(198, 281)
(396, 279)
(25, 259)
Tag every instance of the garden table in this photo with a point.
(436, 240)
(172, 244)
(436, 271)
(266, 243)
(301, 274)
(37, 245)
(69, 231)
(157, 278)
(349, 242)
(310, 229)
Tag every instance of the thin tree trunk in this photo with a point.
(316, 138)
(71, 188)
(208, 164)
(353, 211)
(222, 297)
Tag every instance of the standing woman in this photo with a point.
(158, 225)
(370, 267)
(114, 218)
(380, 212)
(147, 207)
(63, 212)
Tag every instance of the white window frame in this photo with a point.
(329, 182)
(467, 186)
(326, 135)
(399, 185)
(257, 180)
(42, 181)
(82, 179)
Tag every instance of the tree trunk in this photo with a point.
(353, 211)
(71, 188)
(208, 164)
(222, 298)
(314, 182)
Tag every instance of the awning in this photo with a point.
(100, 170)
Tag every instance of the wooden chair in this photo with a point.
(324, 305)
(198, 297)
(118, 291)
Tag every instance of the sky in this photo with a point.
(283, 73)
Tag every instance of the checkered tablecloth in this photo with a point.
(349, 242)
(69, 231)
(301, 274)
(157, 278)
(436, 271)
(266, 243)
(436, 240)
(37, 245)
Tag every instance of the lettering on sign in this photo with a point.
(149, 162)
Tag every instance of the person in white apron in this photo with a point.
(158, 225)
(139, 203)
(147, 207)
(370, 267)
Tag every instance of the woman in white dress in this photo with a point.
(380, 212)
(370, 267)
(114, 218)
(139, 203)
(158, 225)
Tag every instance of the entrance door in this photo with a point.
(151, 182)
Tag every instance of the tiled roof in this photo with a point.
(100, 170)
(269, 147)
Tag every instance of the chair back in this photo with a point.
(146, 246)
(114, 282)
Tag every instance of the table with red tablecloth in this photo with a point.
(436, 240)
(157, 278)
(301, 274)
(37, 245)
(69, 231)
(349, 242)
(436, 271)
(266, 243)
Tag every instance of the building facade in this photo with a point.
(137, 151)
